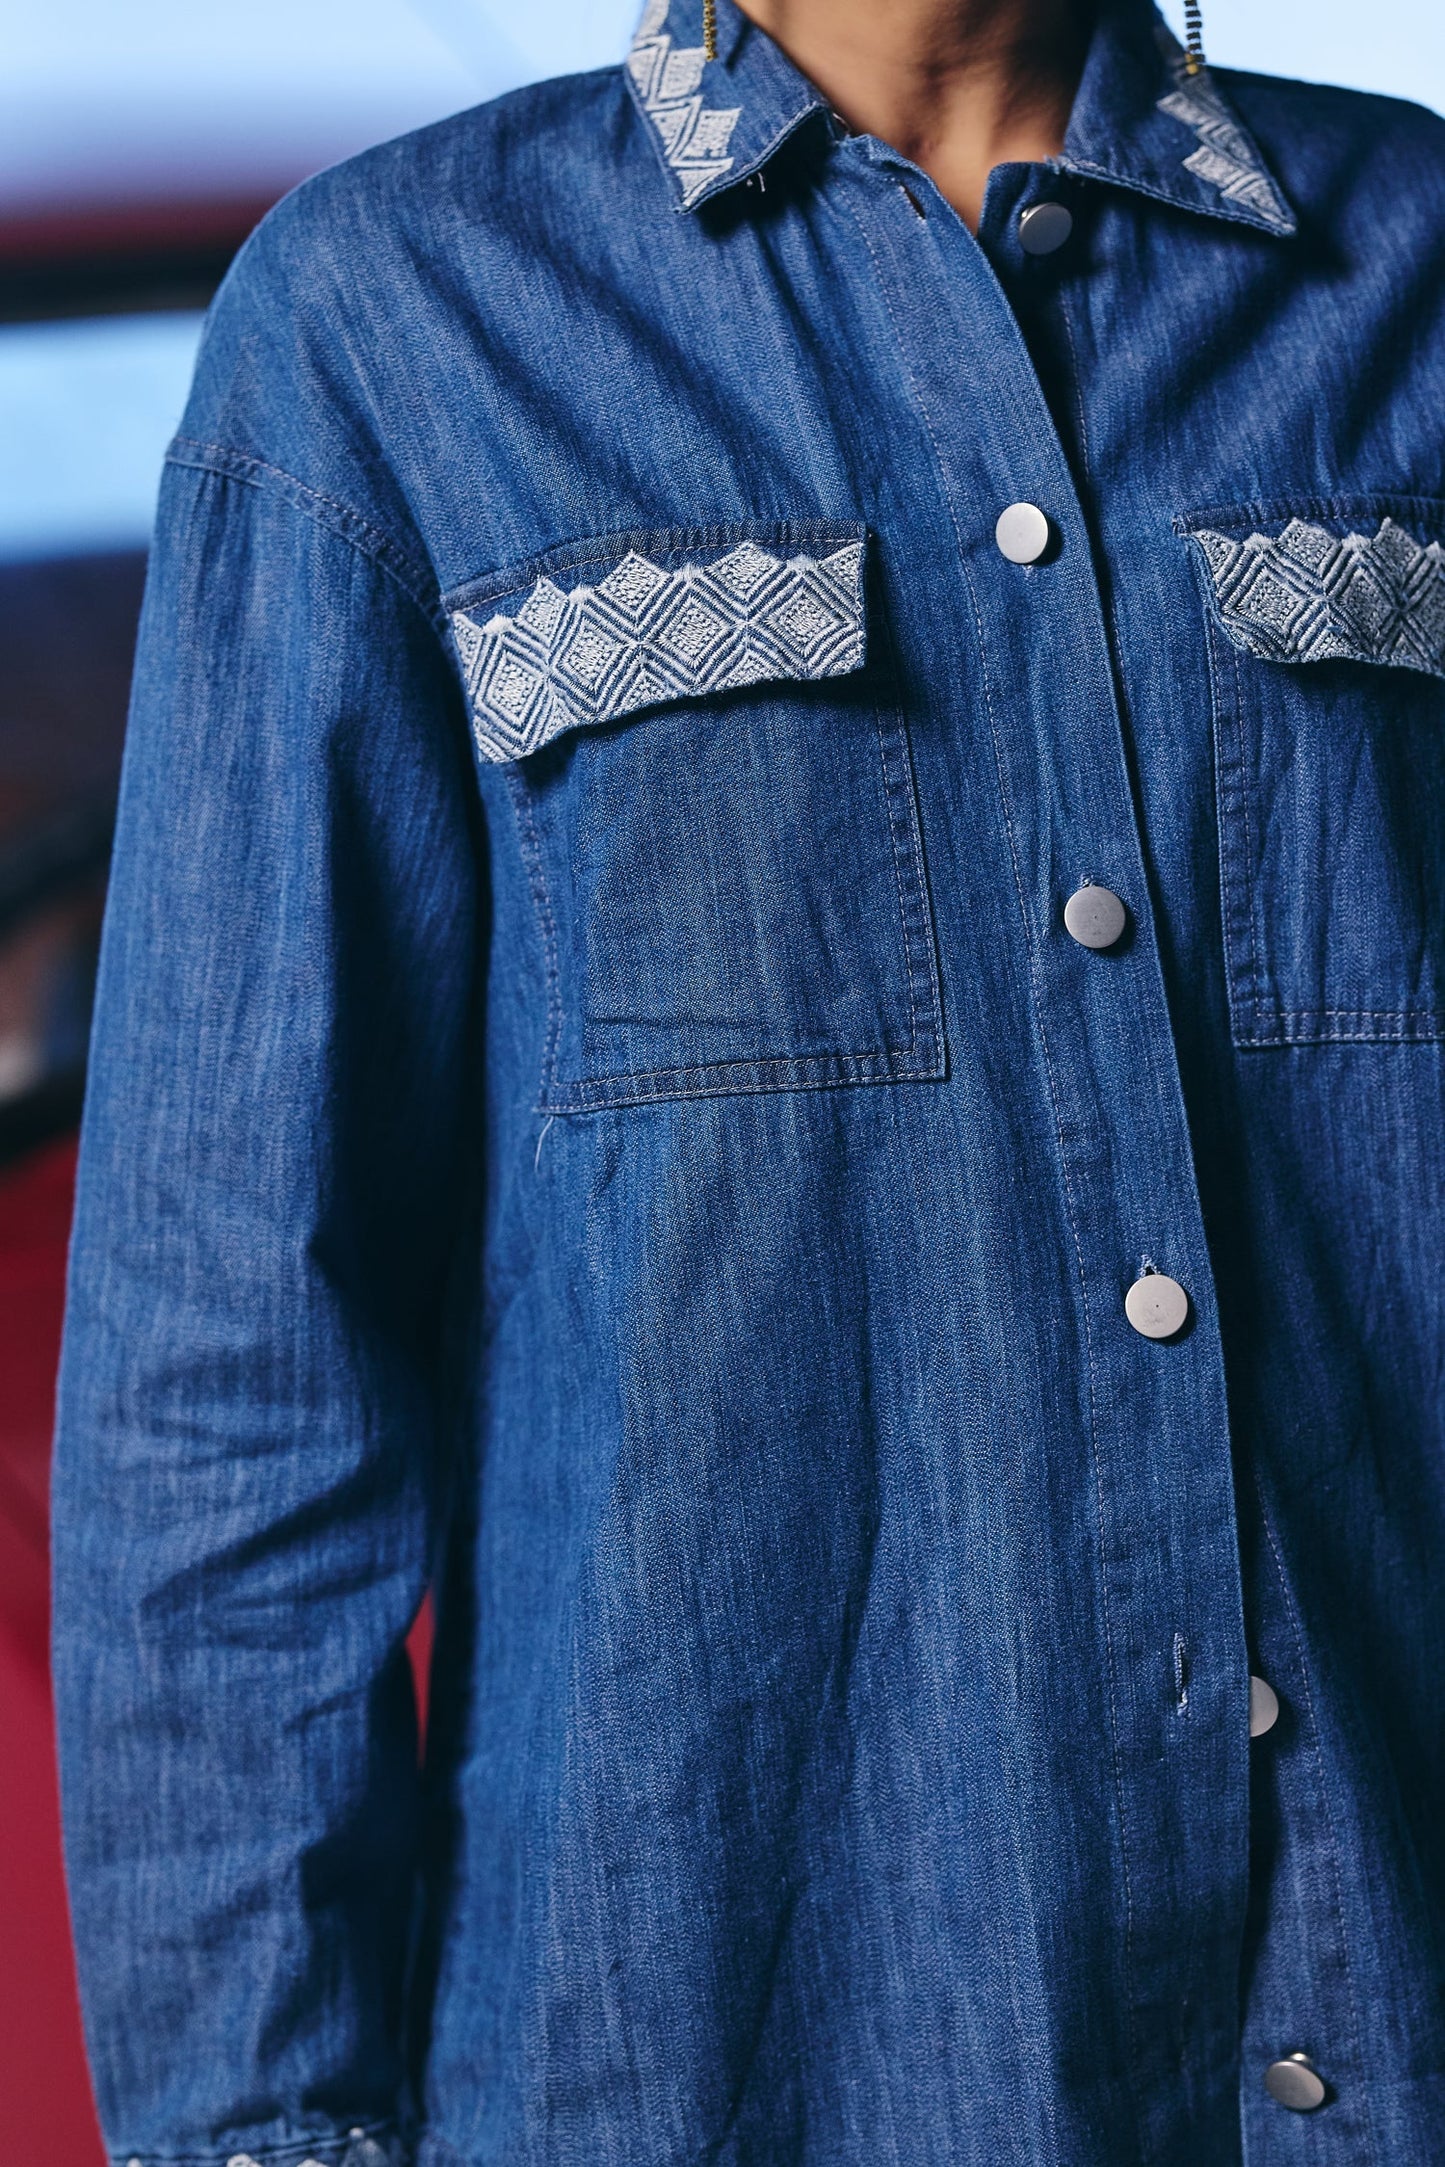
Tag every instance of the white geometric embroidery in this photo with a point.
(1308, 596)
(1225, 158)
(695, 137)
(643, 634)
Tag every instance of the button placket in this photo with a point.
(1040, 695)
(1157, 1305)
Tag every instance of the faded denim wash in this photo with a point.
(595, 1109)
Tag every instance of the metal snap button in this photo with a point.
(1043, 227)
(1263, 1707)
(1295, 2083)
(1094, 916)
(1022, 533)
(1156, 1305)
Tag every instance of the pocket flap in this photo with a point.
(604, 629)
(1309, 592)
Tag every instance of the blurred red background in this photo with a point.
(45, 2109)
(46, 2116)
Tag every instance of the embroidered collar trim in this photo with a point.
(694, 137)
(1128, 127)
(716, 124)
(707, 143)
(1226, 159)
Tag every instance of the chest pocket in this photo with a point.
(715, 799)
(1327, 652)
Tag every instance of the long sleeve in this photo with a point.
(250, 1458)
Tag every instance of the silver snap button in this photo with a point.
(1043, 227)
(364, 2151)
(1022, 533)
(1156, 1305)
(1263, 1707)
(1295, 2083)
(1094, 916)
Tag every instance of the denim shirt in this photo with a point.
(597, 1109)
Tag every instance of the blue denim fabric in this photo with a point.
(595, 1108)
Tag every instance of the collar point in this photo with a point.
(704, 147)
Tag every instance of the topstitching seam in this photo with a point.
(1252, 897)
(532, 851)
(338, 518)
(1351, 505)
(920, 936)
(802, 1072)
(903, 927)
(1362, 1015)
(1091, 169)
(482, 589)
(1079, 413)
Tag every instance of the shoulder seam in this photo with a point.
(415, 581)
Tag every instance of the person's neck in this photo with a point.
(958, 86)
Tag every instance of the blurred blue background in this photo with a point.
(111, 115)
(108, 110)
(139, 142)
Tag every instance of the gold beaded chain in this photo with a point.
(709, 29)
(1193, 36)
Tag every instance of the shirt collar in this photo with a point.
(714, 122)
(1138, 121)
(1141, 121)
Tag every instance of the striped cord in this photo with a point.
(1193, 35)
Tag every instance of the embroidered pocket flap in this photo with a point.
(1299, 591)
(596, 632)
